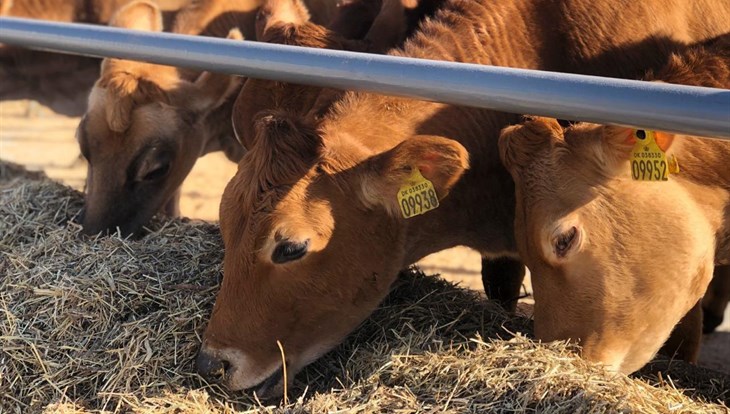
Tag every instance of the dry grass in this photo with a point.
(104, 324)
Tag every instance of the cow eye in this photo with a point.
(157, 172)
(289, 251)
(565, 241)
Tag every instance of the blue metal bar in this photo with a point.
(681, 109)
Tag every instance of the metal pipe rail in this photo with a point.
(674, 108)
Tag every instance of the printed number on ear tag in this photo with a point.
(417, 195)
(648, 160)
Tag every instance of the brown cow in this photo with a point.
(617, 262)
(313, 229)
(502, 277)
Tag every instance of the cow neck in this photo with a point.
(704, 165)
(479, 211)
(705, 161)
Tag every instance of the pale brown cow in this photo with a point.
(312, 226)
(617, 262)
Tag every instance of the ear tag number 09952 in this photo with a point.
(648, 160)
(417, 196)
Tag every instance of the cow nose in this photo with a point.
(210, 367)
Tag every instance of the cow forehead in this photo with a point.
(149, 121)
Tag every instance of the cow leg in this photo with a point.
(502, 278)
(684, 342)
(716, 299)
(172, 207)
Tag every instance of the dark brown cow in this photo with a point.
(617, 262)
(312, 225)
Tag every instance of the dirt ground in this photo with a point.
(38, 118)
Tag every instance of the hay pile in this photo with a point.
(104, 324)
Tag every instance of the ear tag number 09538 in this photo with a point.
(648, 160)
(417, 196)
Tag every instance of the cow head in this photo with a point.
(144, 128)
(616, 263)
(314, 237)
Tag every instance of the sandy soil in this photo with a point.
(38, 117)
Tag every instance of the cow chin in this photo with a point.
(267, 382)
(130, 225)
(243, 371)
(624, 358)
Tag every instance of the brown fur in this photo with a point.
(644, 252)
(366, 143)
(277, 24)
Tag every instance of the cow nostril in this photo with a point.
(210, 367)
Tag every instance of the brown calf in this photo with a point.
(146, 125)
(502, 277)
(312, 224)
(616, 262)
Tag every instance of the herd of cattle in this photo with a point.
(325, 207)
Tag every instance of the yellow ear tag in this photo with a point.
(648, 161)
(417, 196)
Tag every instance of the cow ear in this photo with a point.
(138, 15)
(439, 160)
(389, 26)
(211, 90)
(619, 141)
(518, 144)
